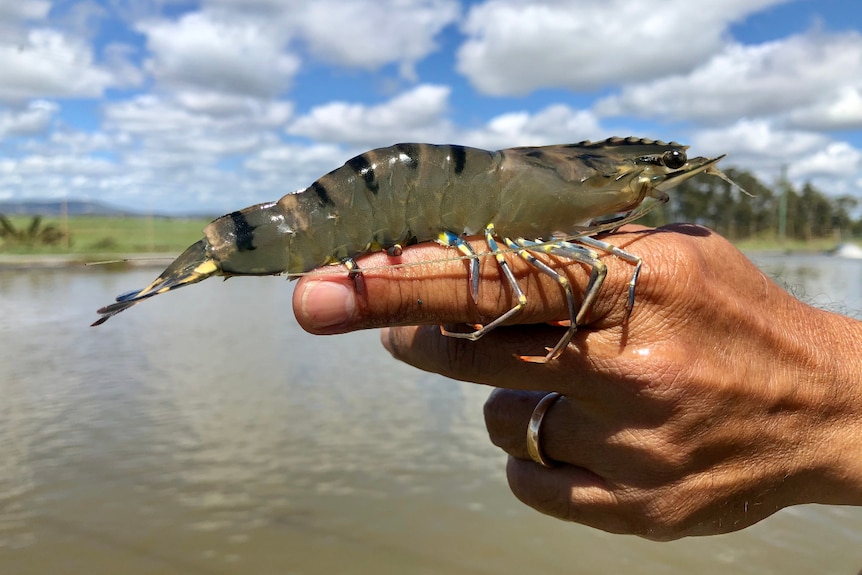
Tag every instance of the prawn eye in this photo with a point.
(674, 159)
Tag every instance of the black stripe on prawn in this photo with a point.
(410, 193)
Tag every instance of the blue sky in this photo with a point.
(209, 106)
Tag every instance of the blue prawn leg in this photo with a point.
(453, 240)
(474, 284)
(523, 247)
(569, 250)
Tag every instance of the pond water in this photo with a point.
(208, 434)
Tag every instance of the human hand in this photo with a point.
(720, 399)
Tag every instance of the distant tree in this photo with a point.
(714, 203)
(841, 219)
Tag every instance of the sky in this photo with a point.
(174, 106)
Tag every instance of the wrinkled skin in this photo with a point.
(720, 400)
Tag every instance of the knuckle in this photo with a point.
(506, 412)
(492, 410)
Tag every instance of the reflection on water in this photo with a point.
(206, 433)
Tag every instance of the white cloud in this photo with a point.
(52, 55)
(835, 160)
(763, 149)
(236, 109)
(280, 169)
(150, 114)
(212, 130)
(145, 179)
(14, 14)
(171, 132)
(13, 10)
(420, 115)
(193, 112)
(552, 125)
(50, 64)
(416, 115)
(514, 47)
(55, 166)
(772, 79)
(80, 19)
(118, 62)
(288, 158)
(755, 142)
(72, 142)
(839, 109)
(32, 120)
(200, 51)
(51, 176)
(170, 152)
(363, 34)
(370, 33)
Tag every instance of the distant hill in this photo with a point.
(55, 208)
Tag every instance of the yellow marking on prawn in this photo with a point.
(538, 200)
(206, 268)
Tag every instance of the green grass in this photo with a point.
(101, 235)
(88, 235)
(815, 245)
(792, 245)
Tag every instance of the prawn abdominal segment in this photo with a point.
(390, 197)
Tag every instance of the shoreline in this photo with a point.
(112, 262)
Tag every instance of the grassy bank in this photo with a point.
(98, 235)
(817, 245)
(94, 236)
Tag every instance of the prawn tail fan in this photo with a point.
(192, 266)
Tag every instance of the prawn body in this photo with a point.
(410, 193)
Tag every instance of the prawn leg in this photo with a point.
(636, 261)
(355, 274)
(513, 282)
(598, 272)
(453, 240)
(568, 250)
(523, 247)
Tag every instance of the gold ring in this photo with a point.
(533, 447)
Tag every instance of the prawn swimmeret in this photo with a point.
(533, 200)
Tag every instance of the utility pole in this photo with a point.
(64, 221)
(782, 205)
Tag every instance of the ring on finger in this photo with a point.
(534, 447)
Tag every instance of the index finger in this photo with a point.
(430, 286)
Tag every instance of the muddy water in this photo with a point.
(206, 433)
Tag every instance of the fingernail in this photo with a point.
(328, 304)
